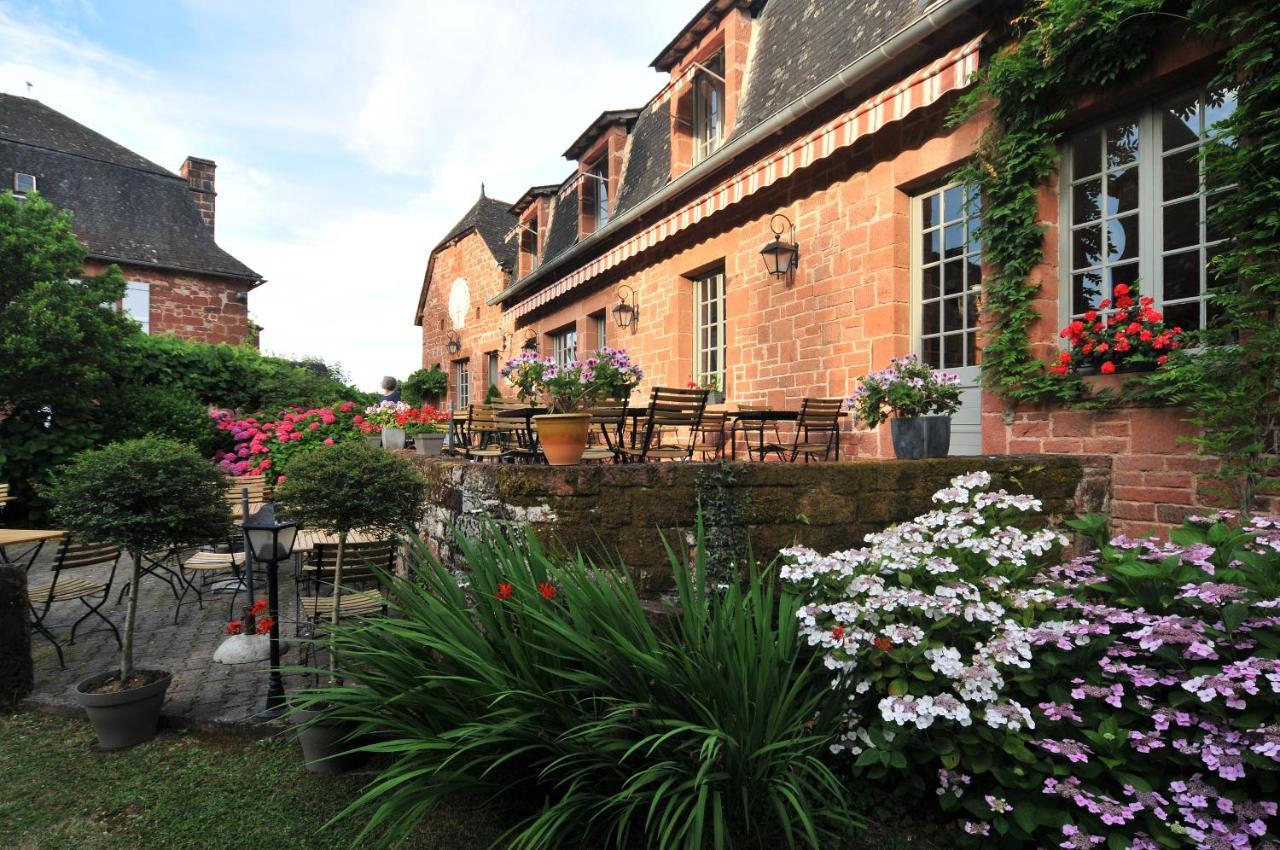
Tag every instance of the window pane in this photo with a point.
(1122, 144)
(953, 203)
(952, 315)
(971, 319)
(1127, 273)
(1181, 174)
(953, 352)
(929, 324)
(1086, 201)
(1086, 247)
(953, 278)
(1086, 159)
(1182, 275)
(954, 240)
(1185, 315)
(1181, 122)
(930, 210)
(931, 247)
(1122, 238)
(1086, 291)
(1219, 105)
(929, 282)
(931, 351)
(1122, 191)
(1181, 224)
(975, 273)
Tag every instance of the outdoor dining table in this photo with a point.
(33, 538)
(762, 417)
(527, 414)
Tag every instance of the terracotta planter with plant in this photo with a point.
(339, 489)
(570, 391)
(144, 496)
(916, 400)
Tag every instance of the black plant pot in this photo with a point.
(919, 437)
(323, 740)
(126, 718)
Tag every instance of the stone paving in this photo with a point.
(203, 694)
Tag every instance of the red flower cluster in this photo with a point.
(425, 415)
(547, 589)
(1133, 333)
(882, 643)
(264, 625)
(260, 447)
(235, 627)
(504, 591)
(258, 607)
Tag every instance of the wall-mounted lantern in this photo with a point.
(781, 258)
(624, 312)
(531, 341)
(455, 343)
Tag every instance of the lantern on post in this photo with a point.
(624, 312)
(455, 343)
(781, 258)
(271, 541)
(531, 341)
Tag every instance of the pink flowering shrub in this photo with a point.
(1129, 698)
(264, 448)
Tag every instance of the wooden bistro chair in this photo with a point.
(361, 591)
(92, 593)
(672, 412)
(258, 494)
(756, 428)
(817, 431)
(513, 434)
(709, 438)
(605, 437)
(200, 568)
(484, 434)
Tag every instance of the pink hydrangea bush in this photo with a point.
(1128, 698)
(264, 448)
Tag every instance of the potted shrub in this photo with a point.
(425, 386)
(144, 496)
(1119, 337)
(385, 417)
(710, 383)
(338, 489)
(429, 426)
(920, 401)
(569, 392)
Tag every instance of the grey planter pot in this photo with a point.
(374, 440)
(393, 438)
(321, 743)
(428, 445)
(715, 397)
(127, 718)
(921, 436)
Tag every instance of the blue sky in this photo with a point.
(349, 136)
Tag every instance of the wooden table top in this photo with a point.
(18, 536)
(308, 540)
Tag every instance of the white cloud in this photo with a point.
(349, 137)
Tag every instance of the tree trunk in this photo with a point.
(337, 608)
(130, 620)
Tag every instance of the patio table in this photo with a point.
(763, 417)
(33, 538)
(527, 414)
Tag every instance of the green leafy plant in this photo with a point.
(722, 505)
(144, 496)
(906, 389)
(492, 393)
(534, 675)
(350, 486)
(424, 385)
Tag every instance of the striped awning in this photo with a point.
(926, 86)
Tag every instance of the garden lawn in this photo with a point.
(183, 791)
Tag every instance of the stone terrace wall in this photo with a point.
(624, 509)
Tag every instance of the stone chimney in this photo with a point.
(199, 176)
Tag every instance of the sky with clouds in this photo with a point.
(349, 136)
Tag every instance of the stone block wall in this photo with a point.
(201, 308)
(625, 510)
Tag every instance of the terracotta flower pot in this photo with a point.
(563, 436)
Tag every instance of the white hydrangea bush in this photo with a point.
(931, 624)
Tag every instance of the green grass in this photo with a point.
(185, 791)
(182, 791)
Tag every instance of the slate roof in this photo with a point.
(563, 232)
(493, 220)
(648, 166)
(603, 121)
(125, 207)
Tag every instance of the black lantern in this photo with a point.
(271, 540)
(781, 258)
(624, 312)
(455, 344)
(531, 342)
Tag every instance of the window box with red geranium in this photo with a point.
(1127, 335)
(428, 425)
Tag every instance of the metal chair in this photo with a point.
(671, 411)
(484, 434)
(817, 430)
(206, 563)
(709, 437)
(756, 427)
(65, 588)
(313, 608)
(605, 436)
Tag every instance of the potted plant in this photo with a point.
(429, 425)
(143, 495)
(710, 383)
(1120, 336)
(920, 401)
(569, 391)
(339, 489)
(425, 386)
(384, 416)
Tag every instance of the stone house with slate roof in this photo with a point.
(156, 225)
(832, 114)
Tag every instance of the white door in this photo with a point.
(946, 280)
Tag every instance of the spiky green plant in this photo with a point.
(537, 676)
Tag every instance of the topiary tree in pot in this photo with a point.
(142, 495)
(339, 489)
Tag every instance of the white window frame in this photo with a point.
(970, 334)
(491, 370)
(708, 128)
(1150, 210)
(564, 345)
(17, 187)
(598, 177)
(462, 383)
(601, 321)
(709, 290)
(138, 291)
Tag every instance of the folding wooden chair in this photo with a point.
(817, 430)
(672, 412)
(64, 587)
(204, 564)
(605, 436)
(709, 437)
(313, 608)
(513, 431)
(4, 495)
(484, 435)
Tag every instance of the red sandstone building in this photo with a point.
(832, 114)
(156, 225)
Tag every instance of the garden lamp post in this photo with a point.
(271, 541)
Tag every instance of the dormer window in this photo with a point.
(595, 190)
(708, 108)
(23, 183)
(529, 243)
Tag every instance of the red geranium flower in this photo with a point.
(1121, 289)
(504, 590)
(258, 607)
(1107, 367)
(837, 633)
(547, 589)
(882, 643)
(235, 627)
(264, 625)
